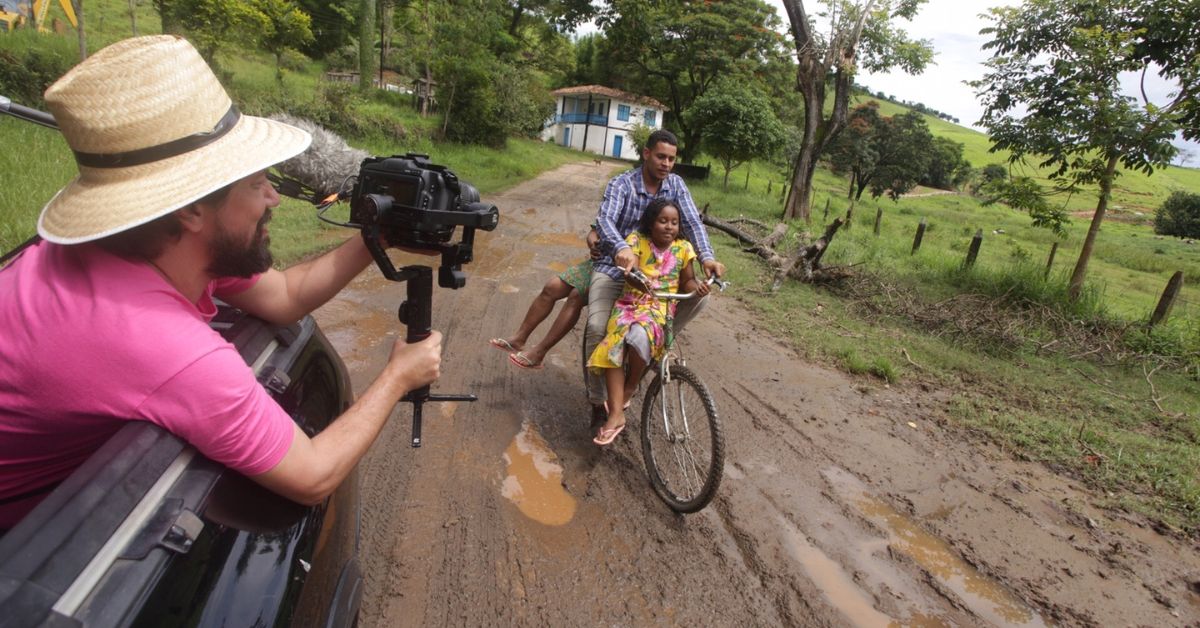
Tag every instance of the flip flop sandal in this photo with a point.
(521, 361)
(503, 345)
(606, 437)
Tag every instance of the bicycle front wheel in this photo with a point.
(681, 441)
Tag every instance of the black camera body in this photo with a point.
(408, 202)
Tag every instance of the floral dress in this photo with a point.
(634, 307)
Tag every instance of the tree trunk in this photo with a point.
(169, 23)
(366, 44)
(133, 17)
(1076, 285)
(800, 196)
(387, 9)
(83, 53)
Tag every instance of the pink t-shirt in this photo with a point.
(88, 340)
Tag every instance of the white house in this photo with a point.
(598, 119)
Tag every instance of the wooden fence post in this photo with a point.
(1050, 262)
(747, 185)
(826, 216)
(849, 214)
(920, 235)
(769, 182)
(973, 252)
(878, 218)
(1168, 299)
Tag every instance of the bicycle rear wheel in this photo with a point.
(681, 441)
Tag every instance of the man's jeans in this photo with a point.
(602, 293)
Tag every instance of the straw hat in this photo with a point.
(152, 130)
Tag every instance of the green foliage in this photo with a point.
(1179, 216)
(947, 168)
(674, 51)
(639, 134)
(890, 154)
(854, 152)
(333, 26)
(210, 24)
(738, 124)
(285, 28)
(1027, 195)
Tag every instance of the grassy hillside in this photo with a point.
(1134, 192)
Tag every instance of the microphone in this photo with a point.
(327, 168)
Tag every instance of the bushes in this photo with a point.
(27, 68)
(1179, 216)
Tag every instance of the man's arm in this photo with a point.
(615, 196)
(694, 231)
(692, 223)
(284, 297)
(313, 468)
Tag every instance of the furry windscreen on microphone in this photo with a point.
(327, 163)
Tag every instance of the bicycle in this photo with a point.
(682, 444)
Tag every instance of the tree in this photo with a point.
(211, 23)
(1179, 216)
(854, 153)
(738, 124)
(856, 29)
(947, 167)
(286, 28)
(674, 51)
(904, 144)
(366, 44)
(888, 154)
(1052, 90)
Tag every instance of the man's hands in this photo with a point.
(417, 364)
(712, 267)
(625, 259)
(593, 244)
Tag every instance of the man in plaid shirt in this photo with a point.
(625, 198)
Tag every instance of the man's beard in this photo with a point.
(231, 259)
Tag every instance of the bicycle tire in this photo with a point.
(671, 462)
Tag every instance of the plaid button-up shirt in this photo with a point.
(626, 198)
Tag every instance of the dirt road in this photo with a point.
(844, 502)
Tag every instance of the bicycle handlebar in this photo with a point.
(639, 280)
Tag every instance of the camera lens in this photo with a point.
(467, 193)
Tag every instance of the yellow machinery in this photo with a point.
(10, 15)
(42, 7)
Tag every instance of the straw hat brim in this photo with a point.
(103, 201)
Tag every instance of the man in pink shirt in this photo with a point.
(106, 320)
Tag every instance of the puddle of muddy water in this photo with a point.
(833, 581)
(986, 598)
(534, 480)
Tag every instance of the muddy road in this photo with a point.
(844, 502)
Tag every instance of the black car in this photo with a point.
(150, 533)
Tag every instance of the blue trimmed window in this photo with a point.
(651, 116)
(623, 113)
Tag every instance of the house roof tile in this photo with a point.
(611, 92)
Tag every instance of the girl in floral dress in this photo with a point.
(637, 329)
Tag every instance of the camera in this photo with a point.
(408, 202)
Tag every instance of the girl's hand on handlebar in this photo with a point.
(701, 288)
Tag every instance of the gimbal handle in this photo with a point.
(416, 312)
